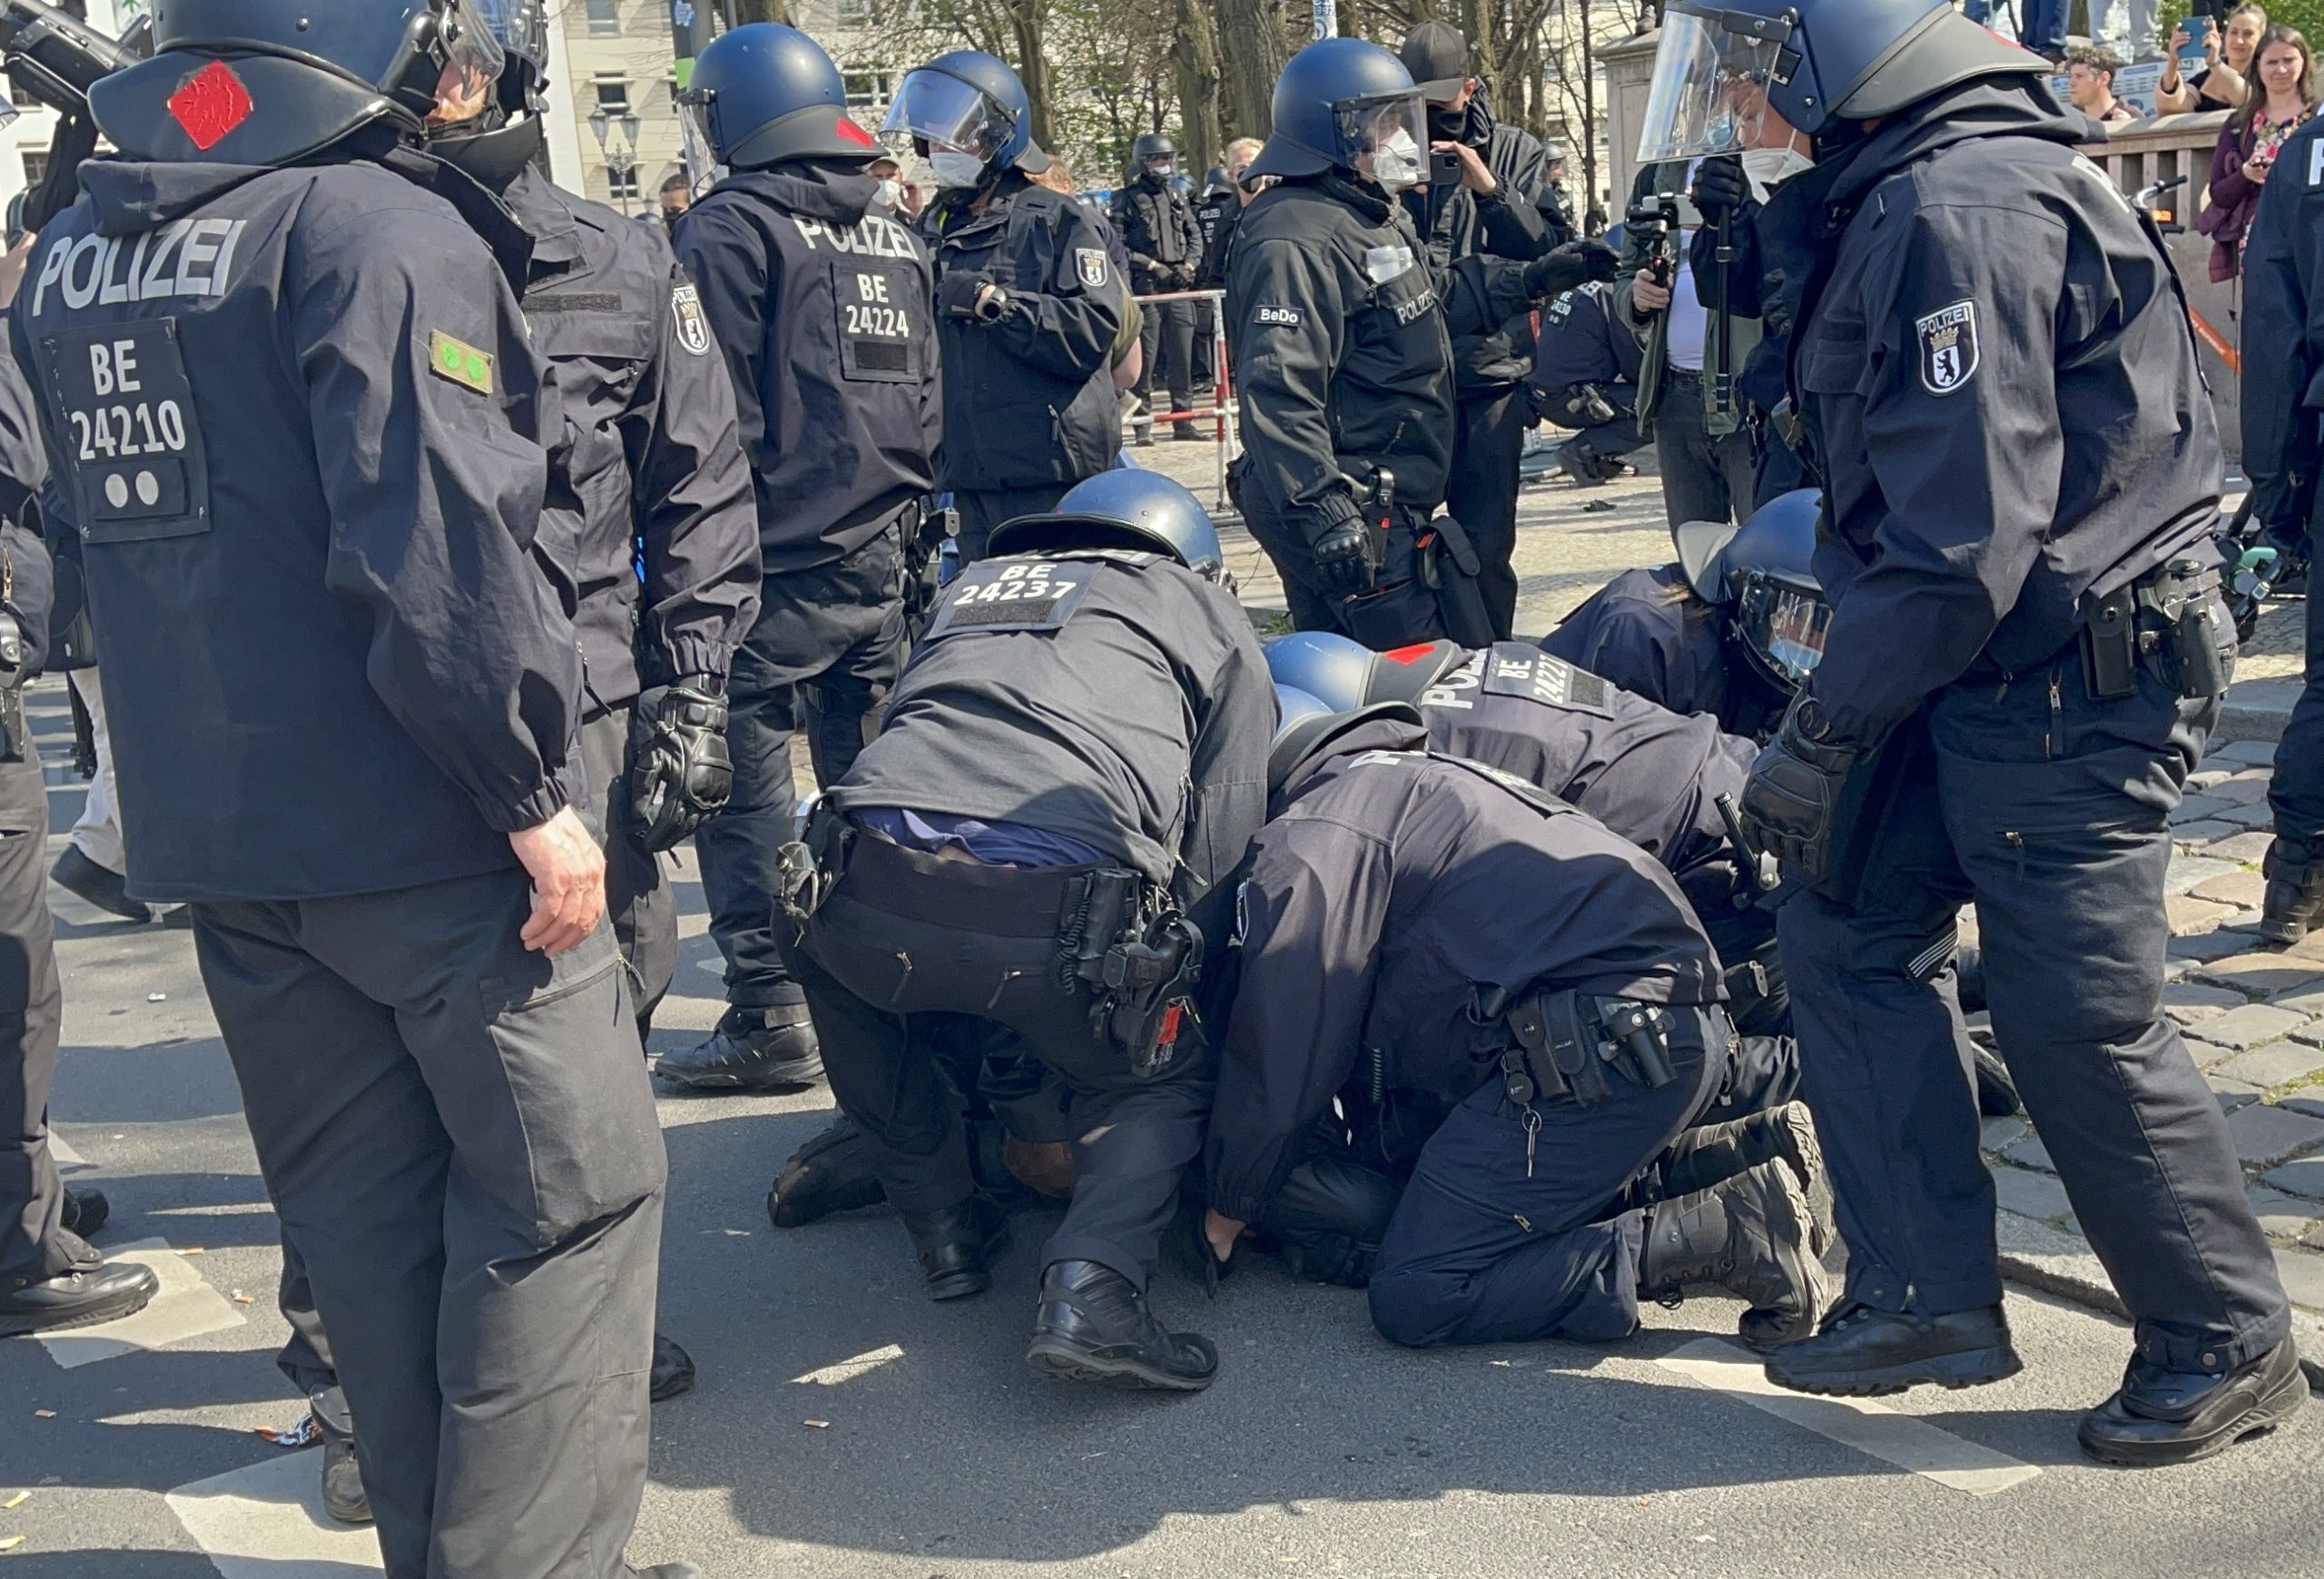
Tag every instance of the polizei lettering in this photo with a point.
(872, 237)
(182, 257)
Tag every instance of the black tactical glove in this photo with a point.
(679, 772)
(1720, 188)
(955, 293)
(1343, 555)
(1189, 274)
(1794, 791)
(1564, 268)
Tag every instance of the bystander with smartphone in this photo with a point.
(2282, 97)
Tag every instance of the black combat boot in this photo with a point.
(1094, 1326)
(833, 1172)
(1184, 432)
(959, 1245)
(86, 1211)
(2295, 873)
(1584, 466)
(1863, 1353)
(753, 1049)
(344, 1498)
(672, 1372)
(1752, 1235)
(2162, 1416)
(1715, 1153)
(88, 1291)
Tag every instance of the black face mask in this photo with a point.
(1446, 125)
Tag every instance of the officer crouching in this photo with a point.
(1074, 760)
(1447, 971)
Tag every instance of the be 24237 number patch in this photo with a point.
(124, 411)
(1515, 669)
(1012, 595)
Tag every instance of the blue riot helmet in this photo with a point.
(1122, 510)
(507, 132)
(1815, 63)
(1292, 704)
(1775, 604)
(270, 81)
(763, 94)
(1308, 724)
(1348, 674)
(966, 105)
(1346, 104)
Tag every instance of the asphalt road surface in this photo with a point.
(846, 1426)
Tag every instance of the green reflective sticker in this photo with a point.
(459, 361)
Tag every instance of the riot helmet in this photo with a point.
(1153, 157)
(1216, 182)
(1301, 737)
(270, 82)
(967, 114)
(763, 94)
(1348, 674)
(1128, 508)
(1816, 63)
(1776, 605)
(1347, 104)
(505, 133)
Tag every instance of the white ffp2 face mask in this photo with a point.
(1395, 163)
(1768, 168)
(890, 193)
(959, 170)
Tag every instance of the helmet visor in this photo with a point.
(468, 46)
(704, 169)
(1709, 85)
(1384, 136)
(1784, 624)
(944, 112)
(520, 25)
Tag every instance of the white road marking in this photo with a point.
(1904, 1440)
(846, 1370)
(62, 1154)
(187, 1306)
(266, 1522)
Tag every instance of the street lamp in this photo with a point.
(620, 151)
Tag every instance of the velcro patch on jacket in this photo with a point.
(1948, 339)
(1278, 317)
(459, 361)
(1516, 669)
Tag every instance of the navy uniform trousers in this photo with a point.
(31, 1010)
(2047, 808)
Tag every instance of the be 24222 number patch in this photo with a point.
(1012, 595)
(1515, 669)
(126, 415)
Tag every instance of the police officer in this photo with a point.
(1027, 304)
(2283, 274)
(1470, 964)
(1649, 776)
(1501, 206)
(1670, 633)
(1074, 761)
(1157, 223)
(1585, 378)
(650, 476)
(1557, 208)
(816, 293)
(2026, 650)
(387, 859)
(50, 1276)
(1338, 328)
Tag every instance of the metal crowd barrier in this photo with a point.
(1223, 407)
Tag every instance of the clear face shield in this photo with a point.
(700, 153)
(1708, 94)
(948, 114)
(1784, 624)
(1386, 138)
(470, 58)
(521, 26)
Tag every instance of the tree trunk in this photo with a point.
(1252, 49)
(743, 11)
(1028, 23)
(1194, 55)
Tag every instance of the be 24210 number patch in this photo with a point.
(125, 417)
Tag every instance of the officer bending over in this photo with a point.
(647, 462)
(50, 1275)
(816, 294)
(1585, 378)
(1551, 1077)
(2026, 651)
(1074, 758)
(1027, 304)
(1340, 332)
(395, 868)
